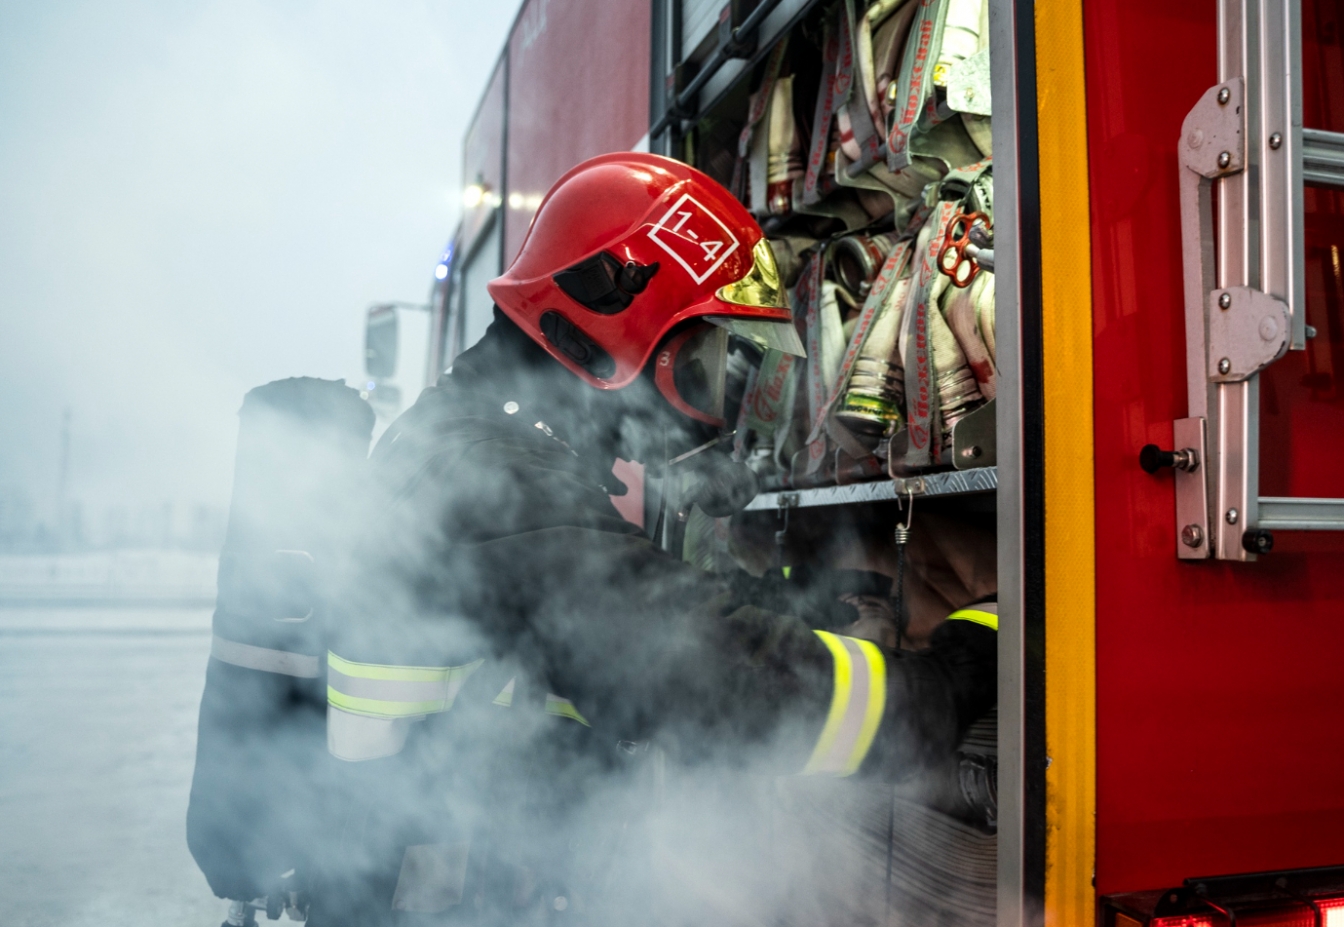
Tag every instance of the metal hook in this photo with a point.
(902, 538)
(903, 530)
(781, 535)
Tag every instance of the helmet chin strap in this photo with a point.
(697, 451)
(712, 480)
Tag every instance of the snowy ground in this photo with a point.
(97, 734)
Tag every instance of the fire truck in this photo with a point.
(1128, 215)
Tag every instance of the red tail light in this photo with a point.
(1290, 913)
(1294, 898)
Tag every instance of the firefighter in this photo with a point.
(508, 637)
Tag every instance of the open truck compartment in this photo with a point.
(1008, 231)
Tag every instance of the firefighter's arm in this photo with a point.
(643, 644)
(873, 710)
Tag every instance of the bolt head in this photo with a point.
(1224, 158)
(1224, 95)
(510, 407)
(1232, 516)
(1257, 542)
(972, 452)
(1311, 332)
(1225, 301)
(1276, 141)
(1224, 366)
(1192, 535)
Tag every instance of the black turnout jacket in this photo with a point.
(493, 539)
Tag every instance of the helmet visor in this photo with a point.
(691, 371)
(761, 288)
(765, 334)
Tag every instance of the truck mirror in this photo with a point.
(380, 342)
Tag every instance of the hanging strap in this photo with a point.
(858, 132)
(921, 398)
(913, 88)
(768, 401)
(742, 426)
(759, 105)
(807, 299)
(815, 184)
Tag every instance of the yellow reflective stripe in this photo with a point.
(564, 708)
(877, 702)
(839, 702)
(383, 691)
(505, 697)
(979, 615)
(857, 703)
(381, 708)
(385, 671)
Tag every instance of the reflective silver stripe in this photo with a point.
(848, 734)
(355, 738)
(264, 659)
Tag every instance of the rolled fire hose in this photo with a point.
(959, 308)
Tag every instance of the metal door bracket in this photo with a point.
(1248, 331)
(1192, 497)
(1213, 136)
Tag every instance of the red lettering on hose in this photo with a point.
(898, 138)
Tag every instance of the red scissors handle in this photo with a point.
(953, 259)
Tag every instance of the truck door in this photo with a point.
(1215, 230)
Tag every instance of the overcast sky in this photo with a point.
(199, 197)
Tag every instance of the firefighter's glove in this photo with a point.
(822, 598)
(719, 485)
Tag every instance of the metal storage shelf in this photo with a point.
(950, 483)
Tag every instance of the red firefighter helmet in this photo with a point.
(627, 247)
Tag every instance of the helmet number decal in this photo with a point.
(695, 237)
